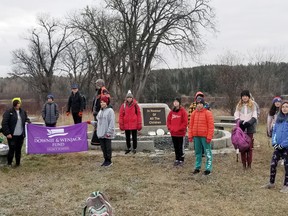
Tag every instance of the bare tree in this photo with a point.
(108, 46)
(38, 64)
(147, 24)
(79, 62)
(231, 78)
(129, 32)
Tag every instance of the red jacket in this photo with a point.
(201, 124)
(130, 116)
(177, 122)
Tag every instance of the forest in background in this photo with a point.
(221, 84)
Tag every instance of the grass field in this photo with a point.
(142, 185)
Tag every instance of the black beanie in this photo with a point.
(178, 99)
(245, 93)
(200, 100)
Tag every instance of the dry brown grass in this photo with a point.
(141, 185)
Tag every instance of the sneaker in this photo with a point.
(284, 189)
(103, 164)
(181, 163)
(108, 164)
(134, 151)
(268, 186)
(207, 172)
(127, 151)
(196, 171)
(176, 163)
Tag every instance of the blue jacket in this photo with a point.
(280, 134)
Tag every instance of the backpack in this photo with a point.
(98, 205)
(240, 140)
(124, 105)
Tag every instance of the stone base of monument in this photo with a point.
(221, 139)
(120, 145)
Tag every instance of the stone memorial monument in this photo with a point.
(154, 116)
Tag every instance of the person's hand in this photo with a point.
(107, 135)
(67, 113)
(242, 126)
(9, 136)
(269, 133)
(208, 140)
(247, 124)
(88, 122)
(139, 127)
(190, 139)
(80, 114)
(278, 147)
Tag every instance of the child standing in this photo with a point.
(177, 121)
(280, 145)
(201, 130)
(130, 121)
(246, 113)
(271, 118)
(50, 112)
(105, 121)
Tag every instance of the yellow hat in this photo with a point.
(16, 98)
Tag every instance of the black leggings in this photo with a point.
(178, 147)
(134, 138)
(15, 145)
(277, 155)
(106, 147)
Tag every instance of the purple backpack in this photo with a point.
(240, 140)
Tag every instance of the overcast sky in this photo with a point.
(246, 27)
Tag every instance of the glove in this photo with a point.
(88, 122)
(121, 127)
(208, 140)
(242, 126)
(278, 147)
(80, 114)
(139, 127)
(190, 139)
(67, 113)
(247, 124)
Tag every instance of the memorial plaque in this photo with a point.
(154, 116)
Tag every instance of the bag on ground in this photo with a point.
(240, 139)
(97, 204)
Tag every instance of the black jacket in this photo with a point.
(10, 120)
(75, 103)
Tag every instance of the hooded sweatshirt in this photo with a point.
(106, 123)
(177, 122)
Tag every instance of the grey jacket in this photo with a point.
(50, 113)
(106, 123)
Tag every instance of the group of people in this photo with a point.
(198, 121)
(200, 125)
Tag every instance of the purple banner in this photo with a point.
(54, 140)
